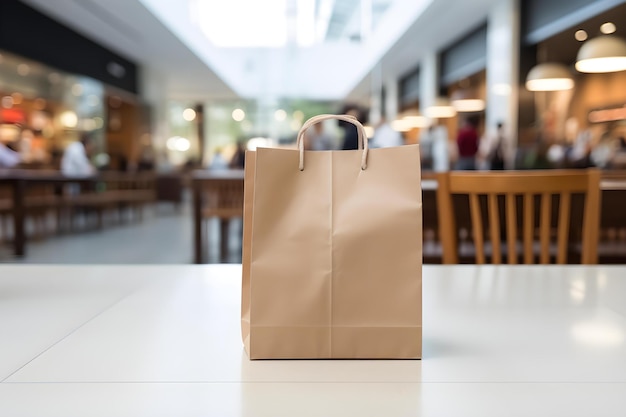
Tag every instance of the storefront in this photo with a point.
(576, 115)
(410, 119)
(43, 110)
(463, 78)
(53, 92)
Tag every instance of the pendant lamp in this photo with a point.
(441, 109)
(467, 101)
(605, 53)
(415, 119)
(549, 76)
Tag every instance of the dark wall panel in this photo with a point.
(410, 87)
(25, 31)
(466, 57)
(545, 18)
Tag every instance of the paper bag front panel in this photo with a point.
(335, 255)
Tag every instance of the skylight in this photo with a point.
(278, 23)
(275, 49)
(242, 23)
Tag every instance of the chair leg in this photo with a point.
(204, 238)
(3, 228)
(224, 223)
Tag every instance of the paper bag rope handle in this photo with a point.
(362, 136)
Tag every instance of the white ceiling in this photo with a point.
(158, 34)
(129, 29)
(440, 25)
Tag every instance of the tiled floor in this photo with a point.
(164, 236)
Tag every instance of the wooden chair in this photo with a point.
(516, 187)
(39, 202)
(216, 195)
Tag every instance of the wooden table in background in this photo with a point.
(612, 214)
(215, 194)
(20, 181)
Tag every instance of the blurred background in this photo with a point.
(123, 123)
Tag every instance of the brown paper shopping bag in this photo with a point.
(332, 252)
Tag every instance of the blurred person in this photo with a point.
(351, 136)
(537, 156)
(238, 160)
(385, 136)
(218, 162)
(123, 163)
(8, 157)
(603, 153)
(491, 148)
(32, 147)
(467, 142)
(317, 139)
(442, 149)
(619, 159)
(579, 155)
(75, 161)
(24, 145)
(38, 149)
(147, 159)
(426, 147)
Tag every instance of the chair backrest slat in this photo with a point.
(494, 227)
(563, 227)
(591, 219)
(511, 227)
(546, 185)
(544, 227)
(447, 224)
(529, 227)
(477, 224)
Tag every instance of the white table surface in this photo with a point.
(165, 341)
